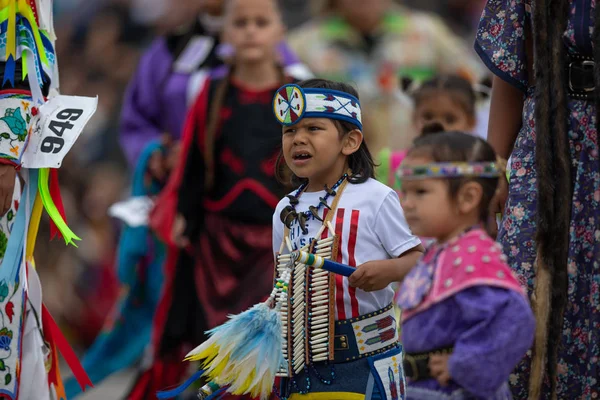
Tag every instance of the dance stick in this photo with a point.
(316, 261)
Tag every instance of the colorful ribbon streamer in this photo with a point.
(56, 196)
(58, 342)
(34, 224)
(19, 13)
(52, 209)
(11, 43)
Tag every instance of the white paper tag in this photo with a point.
(195, 53)
(134, 212)
(57, 126)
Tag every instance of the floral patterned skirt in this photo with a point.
(579, 370)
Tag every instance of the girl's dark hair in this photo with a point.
(459, 88)
(361, 162)
(444, 147)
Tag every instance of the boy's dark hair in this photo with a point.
(459, 88)
(361, 162)
(460, 147)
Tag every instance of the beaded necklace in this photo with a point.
(289, 213)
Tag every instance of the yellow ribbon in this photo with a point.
(34, 224)
(26, 11)
(11, 35)
(9, 12)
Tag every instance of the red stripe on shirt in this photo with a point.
(339, 279)
(352, 259)
(325, 233)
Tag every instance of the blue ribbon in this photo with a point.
(14, 250)
(9, 71)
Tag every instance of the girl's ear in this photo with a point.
(352, 142)
(469, 197)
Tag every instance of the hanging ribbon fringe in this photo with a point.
(52, 209)
(60, 343)
(56, 196)
(11, 43)
(34, 224)
(13, 14)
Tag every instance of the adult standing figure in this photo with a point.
(163, 87)
(544, 115)
(373, 44)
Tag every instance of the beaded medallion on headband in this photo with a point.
(292, 103)
(450, 170)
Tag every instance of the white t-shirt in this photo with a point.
(371, 226)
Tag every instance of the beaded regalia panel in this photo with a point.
(308, 316)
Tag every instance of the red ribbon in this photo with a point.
(35, 11)
(54, 187)
(55, 337)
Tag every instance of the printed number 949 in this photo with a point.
(58, 126)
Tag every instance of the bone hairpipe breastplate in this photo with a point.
(308, 316)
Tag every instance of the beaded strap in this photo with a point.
(450, 170)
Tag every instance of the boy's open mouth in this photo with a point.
(301, 156)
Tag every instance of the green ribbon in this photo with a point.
(51, 209)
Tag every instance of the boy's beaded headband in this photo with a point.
(292, 103)
(451, 170)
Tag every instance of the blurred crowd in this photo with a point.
(99, 44)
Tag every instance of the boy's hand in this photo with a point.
(376, 275)
(438, 366)
(372, 276)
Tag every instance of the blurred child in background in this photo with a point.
(443, 103)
